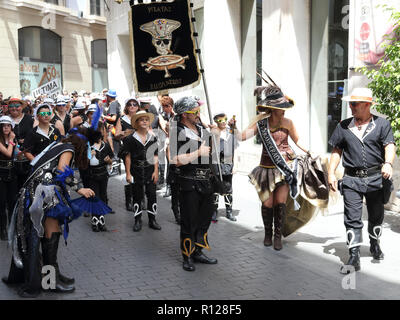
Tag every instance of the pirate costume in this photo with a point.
(21, 129)
(8, 183)
(306, 176)
(142, 170)
(98, 176)
(196, 187)
(227, 145)
(363, 154)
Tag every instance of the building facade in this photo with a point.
(52, 41)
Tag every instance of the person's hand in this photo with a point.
(154, 177)
(232, 123)
(108, 160)
(387, 171)
(86, 192)
(128, 178)
(12, 136)
(332, 182)
(204, 151)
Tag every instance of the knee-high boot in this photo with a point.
(375, 232)
(228, 205)
(49, 252)
(279, 216)
(32, 267)
(354, 240)
(268, 217)
(128, 197)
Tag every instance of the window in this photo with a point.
(52, 1)
(95, 8)
(39, 60)
(337, 61)
(39, 44)
(99, 65)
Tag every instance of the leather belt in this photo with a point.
(141, 163)
(362, 172)
(6, 163)
(197, 174)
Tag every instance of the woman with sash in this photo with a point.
(42, 207)
(274, 178)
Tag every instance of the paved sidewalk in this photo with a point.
(121, 264)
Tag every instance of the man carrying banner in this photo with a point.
(190, 152)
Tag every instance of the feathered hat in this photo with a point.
(271, 96)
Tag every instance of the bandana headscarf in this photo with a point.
(186, 104)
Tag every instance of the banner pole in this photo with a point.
(214, 142)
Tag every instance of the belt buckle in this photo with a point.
(201, 173)
(363, 173)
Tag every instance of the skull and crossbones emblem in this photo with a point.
(161, 32)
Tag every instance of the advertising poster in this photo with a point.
(33, 75)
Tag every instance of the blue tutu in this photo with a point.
(92, 205)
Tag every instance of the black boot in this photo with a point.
(279, 216)
(102, 224)
(128, 197)
(354, 240)
(199, 256)
(267, 216)
(167, 192)
(188, 264)
(228, 205)
(375, 233)
(49, 252)
(95, 224)
(153, 223)
(187, 251)
(32, 267)
(3, 227)
(138, 223)
(15, 275)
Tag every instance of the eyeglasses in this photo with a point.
(353, 104)
(45, 113)
(132, 104)
(221, 120)
(14, 105)
(197, 112)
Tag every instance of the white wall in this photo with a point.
(286, 55)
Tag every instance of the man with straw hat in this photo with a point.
(140, 154)
(365, 143)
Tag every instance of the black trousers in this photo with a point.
(8, 197)
(353, 201)
(174, 196)
(196, 211)
(139, 191)
(99, 186)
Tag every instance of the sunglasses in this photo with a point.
(193, 112)
(221, 120)
(132, 104)
(353, 104)
(45, 113)
(14, 105)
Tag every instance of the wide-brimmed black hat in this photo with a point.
(272, 97)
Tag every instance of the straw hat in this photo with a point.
(140, 114)
(360, 95)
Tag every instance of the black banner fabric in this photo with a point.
(164, 57)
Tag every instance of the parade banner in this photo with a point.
(52, 89)
(163, 47)
(33, 75)
(372, 26)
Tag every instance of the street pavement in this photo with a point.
(147, 265)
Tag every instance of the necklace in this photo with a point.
(359, 126)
